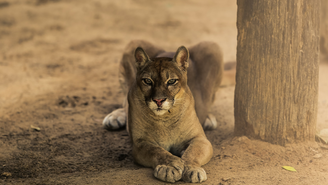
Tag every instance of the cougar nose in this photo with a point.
(159, 101)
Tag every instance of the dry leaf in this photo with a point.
(6, 174)
(289, 168)
(35, 128)
(225, 179)
(317, 156)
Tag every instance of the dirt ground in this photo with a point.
(59, 72)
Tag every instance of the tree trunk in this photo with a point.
(277, 70)
(324, 30)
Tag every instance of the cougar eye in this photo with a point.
(147, 81)
(172, 82)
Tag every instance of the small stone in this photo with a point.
(324, 132)
(324, 135)
(35, 128)
(317, 156)
(223, 148)
(225, 179)
(243, 138)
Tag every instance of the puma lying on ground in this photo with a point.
(165, 113)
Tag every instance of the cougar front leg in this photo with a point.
(198, 153)
(167, 167)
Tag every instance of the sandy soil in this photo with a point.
(58, 72)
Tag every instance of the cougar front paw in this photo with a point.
(168, 173)
(210, 122)
(115, 120)
(194, 174)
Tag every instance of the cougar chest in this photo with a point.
(168, 134)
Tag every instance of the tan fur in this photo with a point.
(164, 119)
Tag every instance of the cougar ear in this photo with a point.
(141, 57)
(181, 57)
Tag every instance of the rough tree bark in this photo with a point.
(277, 70)
(324, 30)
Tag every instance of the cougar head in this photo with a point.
(160, 79)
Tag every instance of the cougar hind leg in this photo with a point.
(127, 72)
(210, 123)
(205, 79)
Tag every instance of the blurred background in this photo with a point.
(43, 43)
